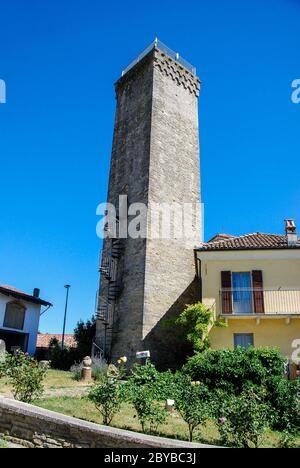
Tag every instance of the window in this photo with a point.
(242, 294)
(244, 340)
(14, 316)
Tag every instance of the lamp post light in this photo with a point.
(67, 286)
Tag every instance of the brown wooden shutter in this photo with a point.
(226, 292)
(258, 294)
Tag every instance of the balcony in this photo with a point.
(263, 302)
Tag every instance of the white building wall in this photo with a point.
(31, 323)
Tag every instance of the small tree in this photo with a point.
(106, 395)
(62, 359)
(160, 384)
(25, 375)
(84, 335)
(147, 409)
(192, 402)
(196, 321)
(243, 420)
(145, 390)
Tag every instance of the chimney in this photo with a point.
(291, 232)
(36, 292)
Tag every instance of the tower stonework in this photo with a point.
(155, 159)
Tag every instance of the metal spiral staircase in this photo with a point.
(110, 290)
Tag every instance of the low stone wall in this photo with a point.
(39, 428)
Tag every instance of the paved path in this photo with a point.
(66, 392)
(73, 392)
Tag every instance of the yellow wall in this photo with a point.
(281, 269)
(277, 273)
(270, 333)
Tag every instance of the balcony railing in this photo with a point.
(260, 301)
(174, 55)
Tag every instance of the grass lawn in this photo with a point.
(55, 380)
(81, 408)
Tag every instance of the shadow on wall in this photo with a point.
(168, 351)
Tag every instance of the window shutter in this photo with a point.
(14, 316)
(226, 292)
(258, 294)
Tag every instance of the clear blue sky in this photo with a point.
(60, 60)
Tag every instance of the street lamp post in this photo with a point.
(67, 286)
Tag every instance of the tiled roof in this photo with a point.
(220, 237)
(44, 340)
(11, 291)
(256, 241)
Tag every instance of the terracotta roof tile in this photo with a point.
(255, 241)
(44, 340)
(220, 237)
(11, 291)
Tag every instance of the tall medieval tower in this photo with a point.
(155, 159)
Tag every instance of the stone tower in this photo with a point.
(155, 159)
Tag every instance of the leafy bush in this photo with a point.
(145, 389)
(194, 324)
(287, 440)
(76, 370)
(161, 384)
(192, 401)
(99, 368)
(260, 370)
(148, 410)
(283, 396)
(107, 398)
(25, 375)
(231, 370)
(243, 420)
(63, 359)
(84, 335)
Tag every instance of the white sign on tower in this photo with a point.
(2, 350)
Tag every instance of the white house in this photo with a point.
(19, 318)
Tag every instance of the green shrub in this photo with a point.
(192, 401)
(231, 370)
(25, 376)
(147, 409)
(99, 368)
(107, 398)
(63, 359)
(84, 336)
(243, 420)
(287, 440)
(193, 325)
(283, 396)
(76, 371)
(145, 389)
(160, 384)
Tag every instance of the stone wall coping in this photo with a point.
(114, 434)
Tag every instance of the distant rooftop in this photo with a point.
(165, 49)
(44, 340)
(255, 241)
(17, 294)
